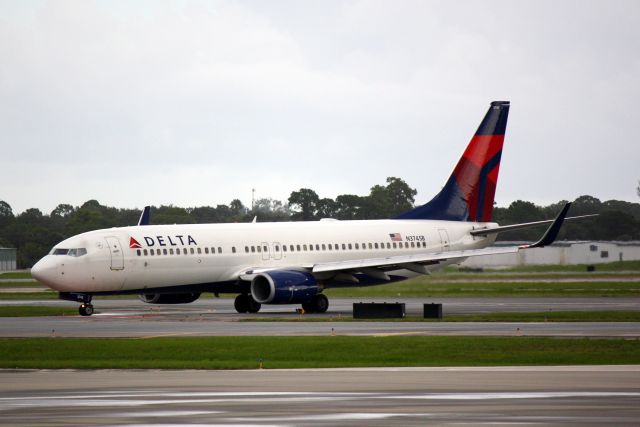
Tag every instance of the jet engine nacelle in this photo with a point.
(169, 298)
(284, 287)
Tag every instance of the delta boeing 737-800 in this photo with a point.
(293, 262)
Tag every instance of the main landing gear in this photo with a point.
(245, 303)
(319, 304)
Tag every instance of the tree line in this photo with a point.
(34, 233)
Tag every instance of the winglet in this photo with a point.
(552, 232)
(144, 217)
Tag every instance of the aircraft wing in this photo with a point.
(418, 263)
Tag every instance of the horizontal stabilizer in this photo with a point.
(504, 228)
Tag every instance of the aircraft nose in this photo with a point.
(44, 271)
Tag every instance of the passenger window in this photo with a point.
(376, 245)
(253, 248)
(406, 245)
(304, 247)
(310, 247)
(192, 251)
(265, 249)
(219, 249)
(349, 246)
(330, 248)
(259, 249)
(317, 247)
(424, 244)
(324, 247)
(371, 247)
(246, 249)
(164, 251)
(394, 245)
(145, 252)
(344, 247)
(184, 251)
(388, 245)
(139, 252)
(152, 252)
(206, 251)
(233, 249)
(284, 248)
(413, 245)
(199, 251)
(298, 248)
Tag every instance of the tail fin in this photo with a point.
(469, 192)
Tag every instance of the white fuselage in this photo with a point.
(157, 256)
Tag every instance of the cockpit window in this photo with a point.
(76, 252)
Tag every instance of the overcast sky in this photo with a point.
(195, 103)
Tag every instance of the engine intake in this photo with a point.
(169, 298)
(284, 287)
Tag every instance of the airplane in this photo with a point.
(294, 262)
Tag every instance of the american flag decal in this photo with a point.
(395, 237)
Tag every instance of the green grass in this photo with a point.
(27, 311)
(610, 266)
(16, 275)
(26, 296)
(310, 352)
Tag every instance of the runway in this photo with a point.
(98, 326)
(216, 317)
(587, 395)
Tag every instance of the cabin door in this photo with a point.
(265, 251)
(444, 239)
(117, 256)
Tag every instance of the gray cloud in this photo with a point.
(195, 103)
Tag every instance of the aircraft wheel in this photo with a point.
(86, 310)
(309, 307)
(321, 303)
(254, 306)
(242, 303)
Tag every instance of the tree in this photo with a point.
(349, 206)
(62, 210)
(6, 214)
(306, 201)
(326, 208)
(638, 189)
(401, 196)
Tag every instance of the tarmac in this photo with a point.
(562, 396)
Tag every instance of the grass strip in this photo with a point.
(16, 275)
(426, 287)
(310, 352)
(29, 311)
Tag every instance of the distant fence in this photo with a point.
(561, 253)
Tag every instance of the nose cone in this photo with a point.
(44, 272)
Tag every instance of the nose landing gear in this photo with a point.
(86, 309)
